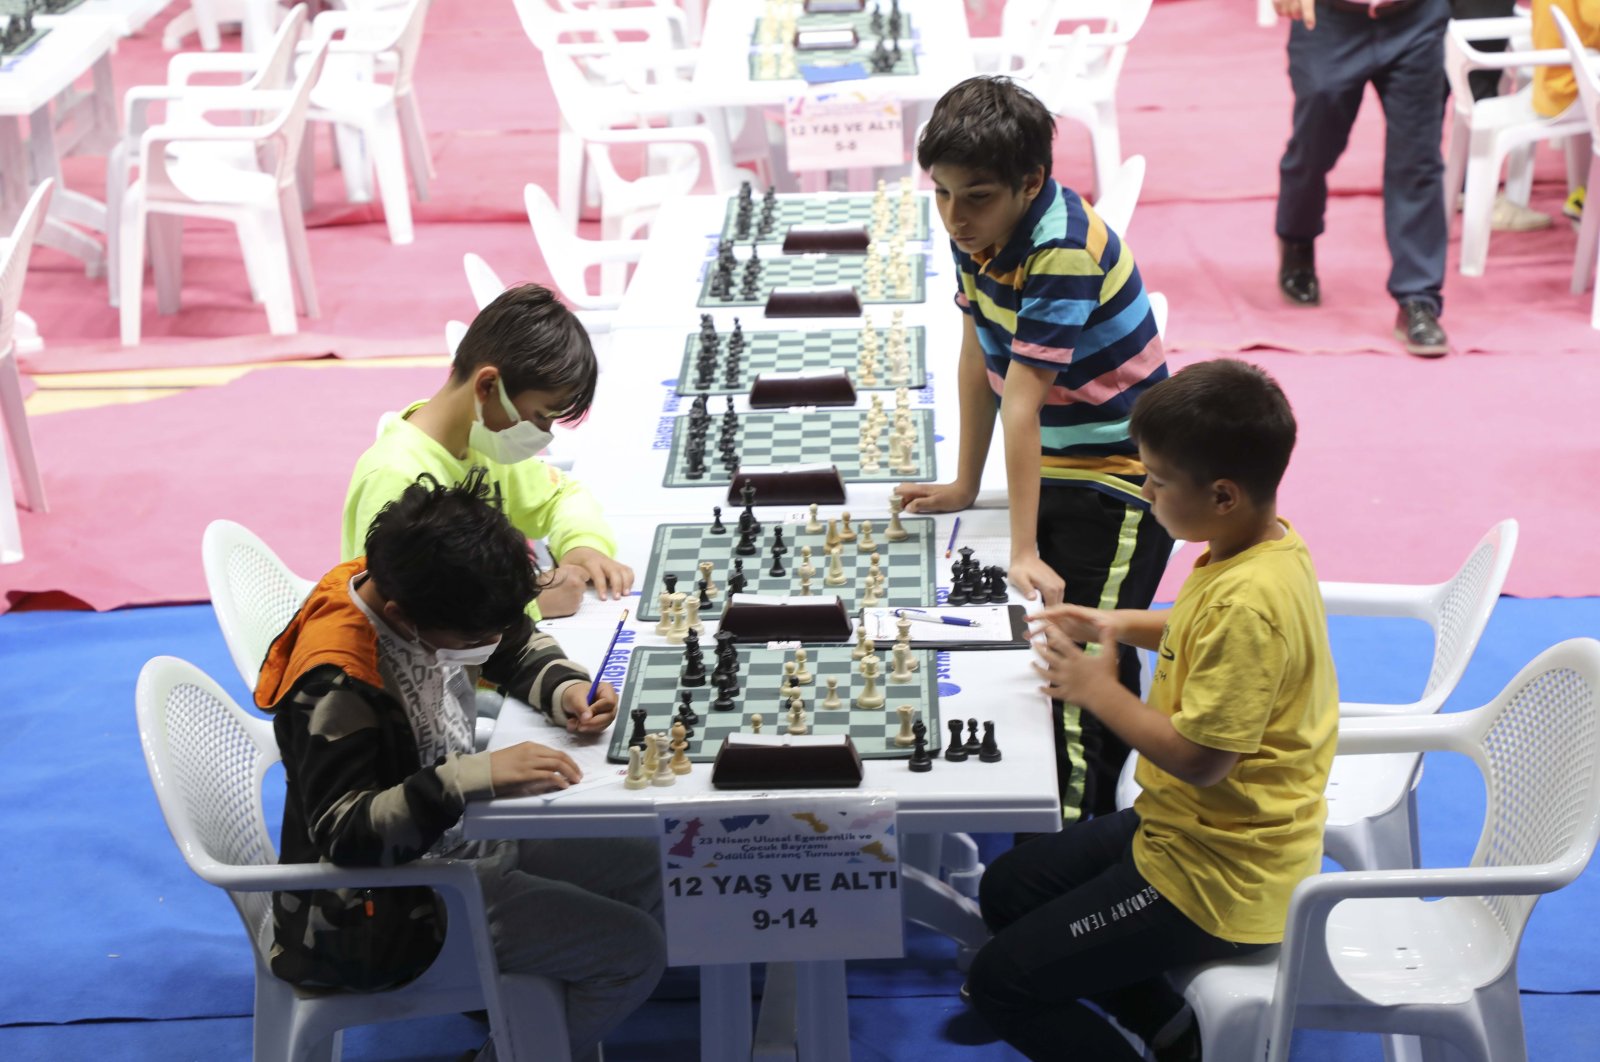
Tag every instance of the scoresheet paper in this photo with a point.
(992, 625)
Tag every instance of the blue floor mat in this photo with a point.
(107, 922)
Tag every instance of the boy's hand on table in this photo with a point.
(585, 716)
(611, 578)
(1071, 674)
(936, 497)
(1080, 622)
(560, 592)
(525, 769)
(1036, 579)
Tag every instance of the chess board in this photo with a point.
(814, 271)
(905, 66)
(860, 21)
(791, 210)
(823, 436)
(907, 565)
(807, 353)
(652, 684)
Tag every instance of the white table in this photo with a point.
(29, 84)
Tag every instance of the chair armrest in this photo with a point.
(1377, 599)
(1440, 732)
(1489, 29)
(1511, 60)
(185, 65)
(136, 105)
(453, 874)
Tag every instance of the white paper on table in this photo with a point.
(588, 751)
(991, 623)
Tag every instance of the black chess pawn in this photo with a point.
(738, 581)
(705, 594)
(973, 744)
(777, 570)
(686, 710)
(954, 751)
(636, 739)
(724, 701)
(745, 547)
(670, 581)
(779, 548)
(881, 62)
(876, 22)
(717, 526)
(920, 760)
(736, 338)
(988, 752)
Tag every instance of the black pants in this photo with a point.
(1485, 83)
(1073, 920)
(1111, 555)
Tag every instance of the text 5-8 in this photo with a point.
(785, 919)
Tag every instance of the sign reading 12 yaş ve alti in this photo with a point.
(792, 877)
(843, 130)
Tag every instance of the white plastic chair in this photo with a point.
(1158, 310)
(1365, 951)
(569, 258)
(207, 758)
(1120, 195)
(13, 272)
(485, 283)
(205, 18)
(1266, 14)
(454, 332)
(270, 69)
(1371, 821)
(1023, 40)
(1483, 133)
(253, 593)
(389, 140)
(262, 203)
(1586, 259)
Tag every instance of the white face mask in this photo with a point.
(474, 657)
(522, 440)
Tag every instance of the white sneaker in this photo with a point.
(1514, 217)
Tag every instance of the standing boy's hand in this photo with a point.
(1071, 674)
(1036, 579)
(528, 768)
(1080, 622)
(937, 497)
(610, 577)
(585, 716)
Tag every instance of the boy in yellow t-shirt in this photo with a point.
(1235, 746)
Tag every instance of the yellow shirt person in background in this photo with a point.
(1235, 748)
(1556, 87)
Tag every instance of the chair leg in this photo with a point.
(16, 418)
(10, 527)
(1107, 142)
(131, 272)
(205, 16)
(166, 260)
(389, 163)
(305, 169)
(1584, 258)
(351, 148)
(418, 157)
(1483, 176)
(116, 187)
(570, 161)
(294, 236)
(1519, 174)
(277, 289)
(1455, 163)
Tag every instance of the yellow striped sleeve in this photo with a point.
(1064, 262)
(1117, 275)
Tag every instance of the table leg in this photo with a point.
(65, 206)
(13, 172)
(725, 1013)
(822, 1012)
(105, 134)
(776, 1025)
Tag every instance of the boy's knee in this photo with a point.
(994, 894)
(643, 957)
(993, 983)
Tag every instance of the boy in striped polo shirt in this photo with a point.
(1059, 339)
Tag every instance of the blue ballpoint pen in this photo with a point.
(933, 617)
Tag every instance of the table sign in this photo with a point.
(843, 130)
(790, 877)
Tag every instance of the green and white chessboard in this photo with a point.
(907, 565)
(860, 21)
(806, 353)
(652, 684)
(905, 66)
(814, 271)
(791, 210)
(820, 437)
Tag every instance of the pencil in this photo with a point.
(953, 529)
(604, 660)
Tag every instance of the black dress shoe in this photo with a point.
(1417, 326)
(1297, 272)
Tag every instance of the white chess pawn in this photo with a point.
(902, 665)
(805, 584)
(712, 589)
(835, 576)
(791, 680)
(871, 696)
(663, 775)
(813, 525)
(636, 778)
(806, 568)
(864, 541)
(664, 606)
(797, 716)
(802, 674)
(869, 459)
(869, 593)
(832, 701)
(680, 750)
(906, 737)
(846, 532)
(755, 724)
(691, 607)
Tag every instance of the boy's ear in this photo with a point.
(1033, 183)
(1225, 496)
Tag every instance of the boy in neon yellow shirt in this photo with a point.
(1235, 747)
(525, 363)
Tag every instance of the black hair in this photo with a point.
(1220, 419)
(536, 343)
(991, 125)
(450, 559)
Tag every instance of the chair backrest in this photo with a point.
(207, 758)
(14, 264)
(277, 61)
(1585, 71)
(1462, 606)
(562, 251)
(252, 592)
(1117, 202)
(1158, 310)
(486, 285)
(454, 333)
(1538, 745)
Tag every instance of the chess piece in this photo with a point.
(636, 778)
(813, 525)
(664, 606)
(921, 762)
(806, 568)
(862, 647)
(805, 584)
(902, 630)
(864, 541)
(905, 737)
(988, 752)
(686, 713)
(801, 674)
(663, 775)
(833, 538)
(871, 696)
(708, 588)
(691, 609)
(693, 672)
(846, 532)
(651, 755)
(832, 701)
(902, 666)
(736, 579)
(797, 716)
(679, 627)
(777, 570)
(636, 739)
(680, 749)
(973, 745)
(791, 678)
(755, 723)
(835, 576)
(702, 597)
(955, 751)
(896, 531)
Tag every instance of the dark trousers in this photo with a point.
(1329, 68)
(1073, 920)
(1485, 83)
(1111, 554)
